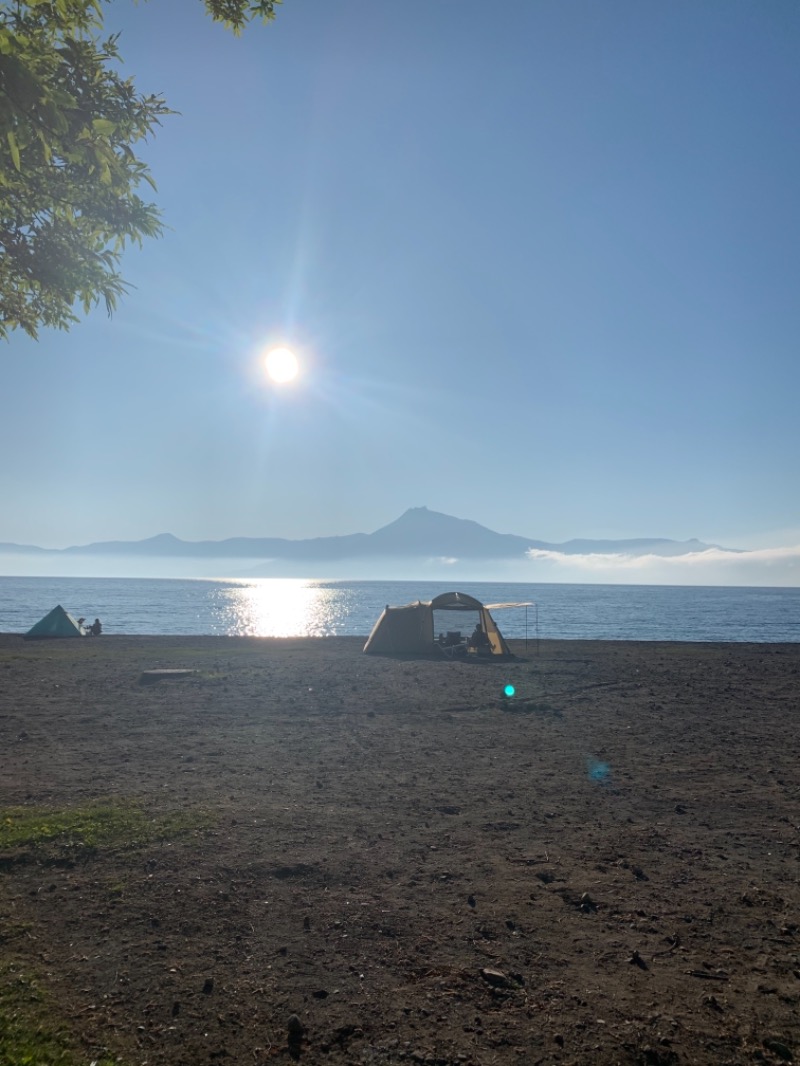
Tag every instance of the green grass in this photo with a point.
(13, 931)
(29, 1033)
(110, 826)
(32, 1029)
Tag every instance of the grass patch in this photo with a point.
(109, 826)
(30, 1035)
(13, 931)
(34, 1031)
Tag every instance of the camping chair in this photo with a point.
(454, 651)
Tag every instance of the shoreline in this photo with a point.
(518, 645)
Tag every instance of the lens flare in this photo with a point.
(509, 691)
(598, 771)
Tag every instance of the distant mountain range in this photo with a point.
(419, 533)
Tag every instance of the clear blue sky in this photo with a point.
(540, 262)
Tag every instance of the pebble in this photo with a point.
(495, 978)
(588, 905)
(777, 1047)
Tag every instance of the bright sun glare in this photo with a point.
(281, 364)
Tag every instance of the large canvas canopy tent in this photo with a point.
(58, 623)
(409, 630)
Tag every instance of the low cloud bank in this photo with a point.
(767, 567)
(760, 566)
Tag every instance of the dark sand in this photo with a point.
(417, 872)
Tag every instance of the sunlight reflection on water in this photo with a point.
(282, 607)
(319, 607)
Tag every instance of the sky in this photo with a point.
(539, 263)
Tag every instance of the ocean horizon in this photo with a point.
(297, 607)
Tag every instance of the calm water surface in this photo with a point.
(295, 607)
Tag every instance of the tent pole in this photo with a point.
(526, 627)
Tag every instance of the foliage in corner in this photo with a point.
(69, 177)
(235, 13)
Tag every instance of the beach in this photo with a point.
(293, 851)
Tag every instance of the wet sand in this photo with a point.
(383, 861)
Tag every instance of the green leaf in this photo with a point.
(104, 126)
(13, 148)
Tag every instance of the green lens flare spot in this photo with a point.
(509, 691)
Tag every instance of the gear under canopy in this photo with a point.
(409, 630)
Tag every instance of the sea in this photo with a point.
(293, 607)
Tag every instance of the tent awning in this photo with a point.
(498, 606)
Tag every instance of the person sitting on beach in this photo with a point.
(478, 639)
(95, 628)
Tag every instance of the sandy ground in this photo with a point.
(387, 862)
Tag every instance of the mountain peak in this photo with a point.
(423, 514)
(424, 532)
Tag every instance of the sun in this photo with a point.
(281, 364)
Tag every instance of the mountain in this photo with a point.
(423, 532)
(419, 533)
